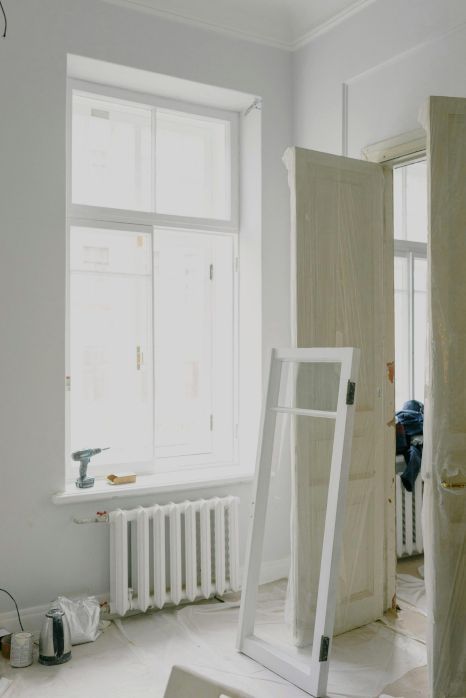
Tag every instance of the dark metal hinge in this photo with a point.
(350, 390)
(324, 647)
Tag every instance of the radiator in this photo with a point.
(172, 553)
(408, 519)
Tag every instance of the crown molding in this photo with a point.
(141, 6)
(323, 28)
(330, 24)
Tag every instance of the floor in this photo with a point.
(133, 657)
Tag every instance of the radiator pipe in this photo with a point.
(100, 517)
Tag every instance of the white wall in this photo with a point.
(392, 55)
(42, 553)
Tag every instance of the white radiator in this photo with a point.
(408, 519)
(172, 553)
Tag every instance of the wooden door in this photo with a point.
(444, 458)
(342, 295)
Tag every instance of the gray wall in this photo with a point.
(393, 55)
(42, 553)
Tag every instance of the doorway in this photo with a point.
(410, 304)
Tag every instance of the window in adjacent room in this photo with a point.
(153, 226)
(410, 223)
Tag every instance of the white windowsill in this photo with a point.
(159, 483)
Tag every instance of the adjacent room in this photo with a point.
(232, 385)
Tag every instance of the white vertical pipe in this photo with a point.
(142, 524)
(233, 540)
(344, 119)
(175, 553)
(399, 516)
(159, 556)
(190, 551)
(418, 500)
(220, 581)
(409, 522)
(206, 558)
(118, 562)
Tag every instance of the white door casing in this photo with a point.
(342, 295)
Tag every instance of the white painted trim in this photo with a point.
(154, 102)
(330, 24)
(32, 616)
(273, 570)
(409, 145)
(161, 483)
(92, 70)
(344, 119)
(310, 676)
(202, 24)
(290, 45)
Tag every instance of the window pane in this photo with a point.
(410, 201)
(402, 341)
(192, 362)
(110, 344)
(111, 153)
(192, 165)
(420, 326)
(309, 386)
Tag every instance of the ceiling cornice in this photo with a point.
(141, 6)
(329, 24)
(324, 27)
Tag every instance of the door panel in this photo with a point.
(342, 296)
(444, 458)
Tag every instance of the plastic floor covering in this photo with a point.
(134, 656)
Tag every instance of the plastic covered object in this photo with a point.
(341, 276)
(444, 456)
(83, 616)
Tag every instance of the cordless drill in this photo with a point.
(84, 458)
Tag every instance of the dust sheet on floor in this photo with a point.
(135, 655)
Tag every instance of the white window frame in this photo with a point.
(411, 251)
(79, 215)
(84, 212)
(309, 673)
(402, 150)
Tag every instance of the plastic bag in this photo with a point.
(83, 616)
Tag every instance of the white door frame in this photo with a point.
(311, 676)
(402, 149)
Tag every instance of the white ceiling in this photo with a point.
(284, 23)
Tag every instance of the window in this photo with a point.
(410, 222)
(152, 281)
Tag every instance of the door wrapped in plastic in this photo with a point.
(444, 457)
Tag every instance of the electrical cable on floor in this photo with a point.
(8, 593)
(4, 17)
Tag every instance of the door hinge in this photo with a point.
(324, 647)
(211, 272)
(211, 422)
(350, 390)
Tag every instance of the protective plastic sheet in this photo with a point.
(412, 591)
(134, 657)
(444, 456)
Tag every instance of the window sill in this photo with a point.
(159, 483)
